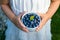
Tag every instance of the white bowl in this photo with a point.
(30, 28)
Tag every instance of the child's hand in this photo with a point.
(20, 24)
(43, 21)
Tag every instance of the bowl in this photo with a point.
(31, 20)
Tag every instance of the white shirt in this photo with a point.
(30, 5)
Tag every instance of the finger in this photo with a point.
(37, 29)
(25, 29)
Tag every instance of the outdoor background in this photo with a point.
(55, 25)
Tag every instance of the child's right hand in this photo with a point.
(20, 24)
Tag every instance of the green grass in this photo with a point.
(55, 25)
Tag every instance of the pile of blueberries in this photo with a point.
(31, 20)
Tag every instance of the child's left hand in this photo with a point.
(43, 21)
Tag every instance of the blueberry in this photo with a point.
(33, 25)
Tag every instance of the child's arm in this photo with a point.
(15, 19)
(52, 9)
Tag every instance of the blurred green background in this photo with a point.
(55, 25)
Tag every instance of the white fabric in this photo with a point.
(30, 5)
(17, 6)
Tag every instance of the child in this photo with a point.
(44, 8)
